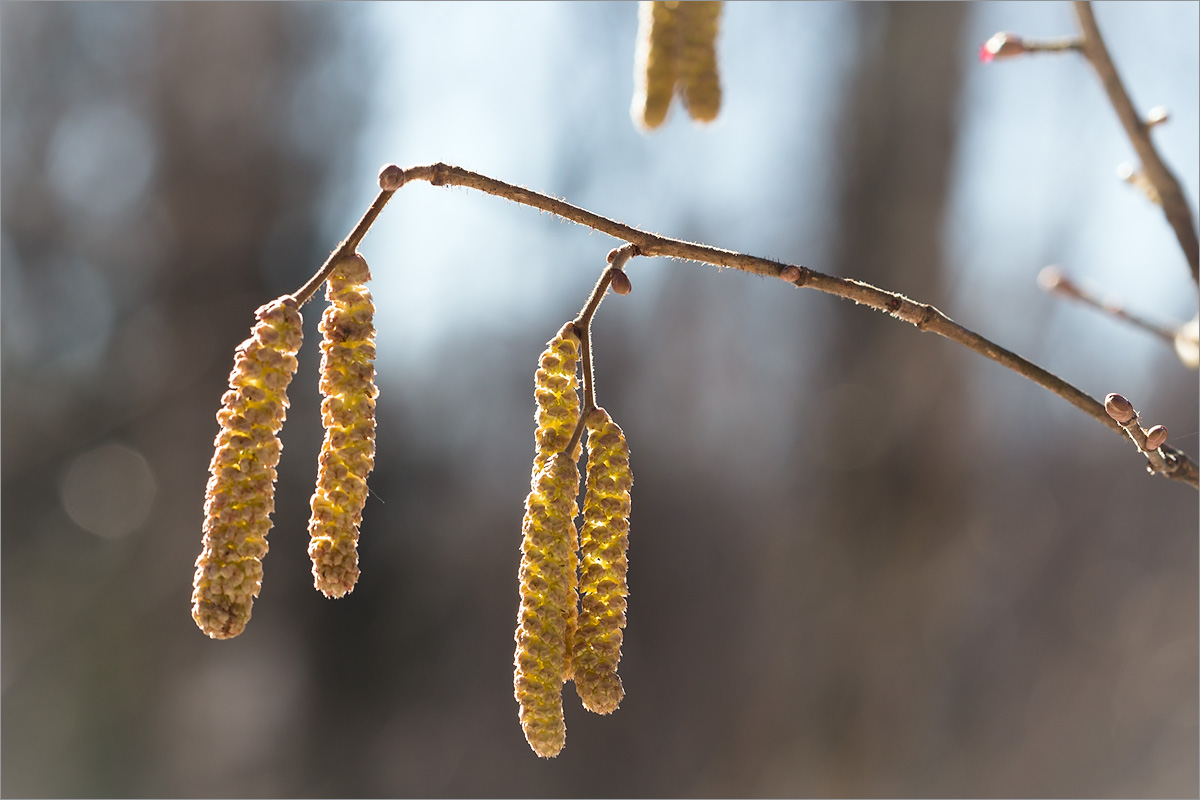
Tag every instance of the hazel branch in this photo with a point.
(1174, 204)
(1052, 279)
(924, 316)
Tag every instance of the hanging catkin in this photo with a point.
(548, 599)
(699, 81)
(604, 539)
(240, 495)
(549, 561)
(348, 414)
(654, 62)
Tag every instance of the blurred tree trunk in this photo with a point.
(894, 395)
(241, 145)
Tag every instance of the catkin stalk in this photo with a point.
(240, 495)
(604, 539)
(348, 414)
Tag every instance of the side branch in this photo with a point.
(1174, 203)
(925, 317)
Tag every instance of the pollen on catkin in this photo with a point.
(654, 62)
(699, 81)
(604, 539)
(348, 414)
(240, 495)
(557, 395)
(548, 600)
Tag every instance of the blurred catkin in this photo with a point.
(348, 414)
(240, 495)
(548, 601)
(676, 51)
(699, 81)
(604, 538)
(654, 65)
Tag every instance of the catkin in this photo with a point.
(557, 395)
(348, 413)
(654, 63)
(240, 495)
(548, 598)
(604, 539)
(699, 81)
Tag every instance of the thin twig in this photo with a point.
(924, 316)
(1174, 204)
(345, 248)
(1052, 279)
(583, 327)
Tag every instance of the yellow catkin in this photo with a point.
(699, 81)
(654, 63)
(240, 495)
(348, 413)
(604, 539)
(547, 597)
(556, 390)
(557, 395)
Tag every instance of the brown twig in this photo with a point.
(1052, 279)
(583, 327)
(346, 248)
(1174, 204)
(924, 316)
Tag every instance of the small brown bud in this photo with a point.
(1119, 408)
(620, 282)
(1156, 437)
(391, 178)
(790, 273)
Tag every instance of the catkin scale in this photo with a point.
(348, 414)
(240, 494)
(655, 68)
(699, 80)
(604, 542)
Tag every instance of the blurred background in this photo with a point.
(864, 561)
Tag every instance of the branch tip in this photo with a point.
(391, 178)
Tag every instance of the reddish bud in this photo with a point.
(620, 282)
(1156, 437)
(391, 178)
(1001, 45)
(790, 273)
(1119, 408)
